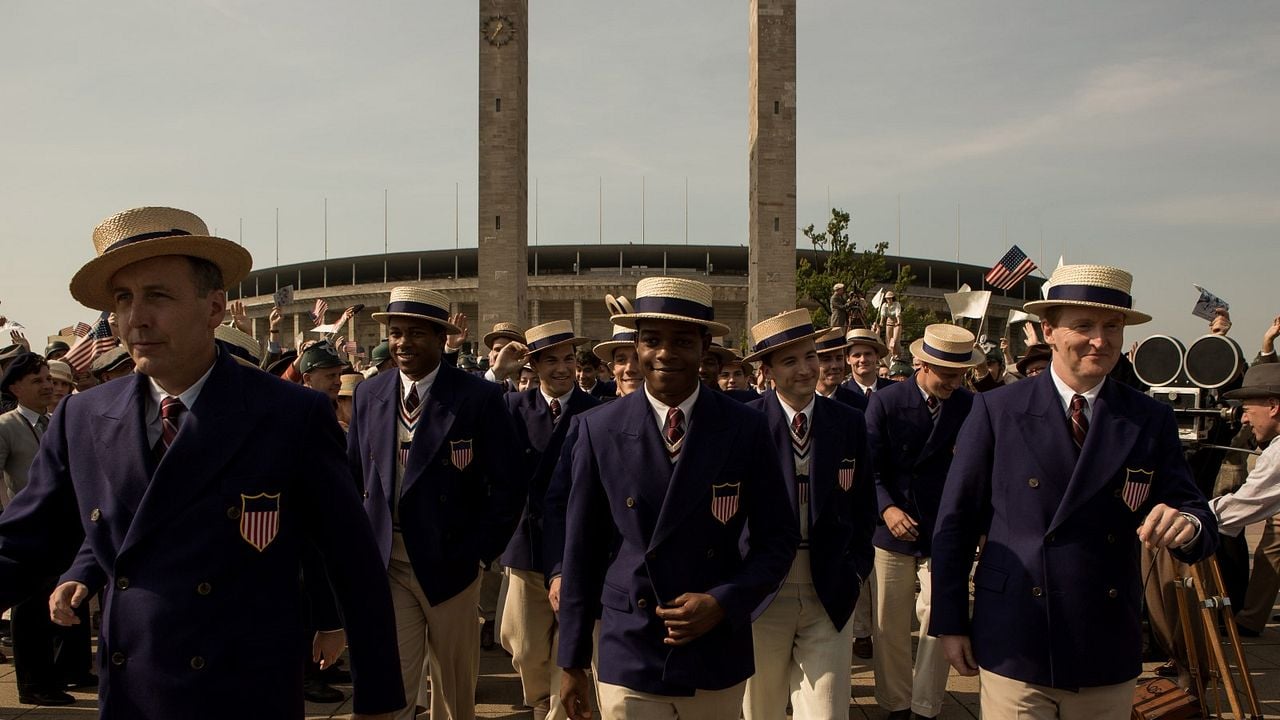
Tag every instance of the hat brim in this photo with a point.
(490, 337)
(1131, 317)
(775, 348)
(575, 341)
(90, 285)
(724, 353)
(453, 329)
(629, 321)
(880, 347)
(1251, 393)
(976, 358)
(604, 350)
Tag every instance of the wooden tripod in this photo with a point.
(1200, 586)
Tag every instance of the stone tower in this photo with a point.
(771, 136)
(504, 163)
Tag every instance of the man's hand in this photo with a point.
(240, 318)
(575, 693)
(453, 343)
(273, 320)
(553, 594)
(20, 339)
(1269, 337)
(510, 358)
(63, 602)
(959, 652)
(1166, 527)
(1029, 333)
(327, 647)
(689, 617)
(902, 525)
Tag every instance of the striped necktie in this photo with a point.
(935, 408)
(800, 449)
(866, 392)
(673, 434)
(555, 409)
(42, 425)
(1079, 421)
(171, 411)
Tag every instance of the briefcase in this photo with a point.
(1162, 699)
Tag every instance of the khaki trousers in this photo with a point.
(620, 703)
(1264, 581)
(1004, 698)
(451, 630)
(897, 687)
(861, 620)
(799, 654)
(530, 633)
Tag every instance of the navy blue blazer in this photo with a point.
(202, 606)
(540, 442)
(642, 532)
(881, 383)
(841, 519)
(463, 489)
(852, 398)
(1058, 589)
(911, 457)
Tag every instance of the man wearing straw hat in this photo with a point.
(912, 427)
(863, 352)
(619, 352)
(504, 365)
(431, 445)
(664, 484)
(803, 633)
(1064, 473)
(192, 522)
(831, 347)
(542, 417)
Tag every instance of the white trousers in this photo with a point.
(899, 684)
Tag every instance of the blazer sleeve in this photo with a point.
(86, 571)
(589, 532)
(860, 555)
(878, 440)
(966, 499)
(1180, 491)
(508, 485)
(555, 504)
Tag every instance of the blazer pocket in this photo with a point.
(990, 578)
(615, 598)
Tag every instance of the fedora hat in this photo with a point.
(541, 337)
(780, 331)
(1035, 353)
(670, 298)
(112, 359)
(863, 336)
(1095, 286)
(238, 343)
(831, 341)
(349, 382)
(511, 331)
(622, 337)
(947, 346)
(725, 354)
(1260, 381)
(142, 233)
(420, 303)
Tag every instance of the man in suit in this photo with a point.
(589, 369)
(863, 352)
(830, 347)
(912, 427)
(803, 634)
(432, 448)
(542, 418)
(664, 484)
(1064, 474)
(169, 485)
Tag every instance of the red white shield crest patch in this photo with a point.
(724, 501)
(259, 519)
(461, 453)
(845, 474)
(1137, 486)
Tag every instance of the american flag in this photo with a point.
(350, 347)
(1010, 269)
(317, 312)
(81, 329)
(96, 341)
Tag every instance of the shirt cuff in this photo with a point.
(1194, 521)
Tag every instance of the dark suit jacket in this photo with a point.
(840, 520)
(196, 619)
(641, 532)
(911, 457)
(881, 383)
(1058, 590)
(539, 446)
(853, 399)
(457, 508)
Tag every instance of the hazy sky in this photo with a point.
(1141, 134)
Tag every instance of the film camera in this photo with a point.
(1191, 380)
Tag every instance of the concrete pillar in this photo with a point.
(771, 133)
(535, 312)
(577, 316)
(504, 162)
(297, 330)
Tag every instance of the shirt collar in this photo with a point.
(660, 409)
(1065, 393)
(564, 399)
(31, 416)
(424, 385)
(791, 413)
(187, 397)
(864, 388)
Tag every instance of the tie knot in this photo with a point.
(933, 402)
(800, 425)
(171, 407)
(555, 408)
(1079, 403)
(675, 418)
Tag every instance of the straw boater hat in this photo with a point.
(863, 336)
(541, 337)
(1096, 286)
(511, 331)
(59, 370)
(670, 298)
(622, 337)
(349, 383)
(242, 344)
(143, 233)
(947, 346)
(781, 330)
(831, 341)
(419, 303)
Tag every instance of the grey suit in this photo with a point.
(18, 447)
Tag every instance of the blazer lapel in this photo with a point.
(698, 466)
(781, 432)
(538, 421)
(378, 423)
(640, 447)
(121, 448)
(433, 426)
(1105, 449)
(825, 452)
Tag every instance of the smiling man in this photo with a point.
(863, 351)
(1065, 473)
(665, 482)
(185, 516)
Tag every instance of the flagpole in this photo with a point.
(957, 247)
